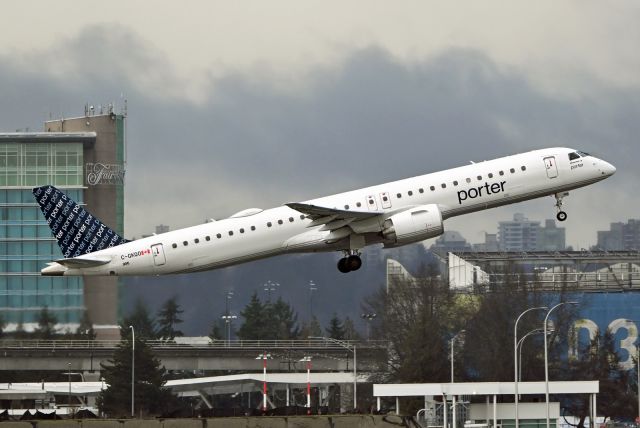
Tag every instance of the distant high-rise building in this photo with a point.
(551, 237)
(490, 243)
(162, 228)
(519, 234)
(450, 241)
(620, 236)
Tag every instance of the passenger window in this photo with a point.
(524, 168)
(346, 207)
(490, 175)
(302, 215)
(421, 190)
(399, 195)
(279, 221)
(501, 173)
(512, 170)
(253, 228)
(479, 178)
(218, 236)
(385, 198)
(358, 204)
(455, 183)
(241, 230)
(573, 156)
(185, 243)
(231, 233)
(208, 238)
(432, 188)
(410, 193)
(196, 241)
(444, 186)
(269, 224)
(174, 245)
(468, 180)
(291, 218)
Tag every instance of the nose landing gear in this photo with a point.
(350, 262)
(561, 215)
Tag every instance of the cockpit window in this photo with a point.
(573, 156)
(583, 154)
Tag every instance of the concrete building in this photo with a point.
(490, 243)
(522, 234)
(620, 236)
(551, 237)
(84, 157)
(450, 240)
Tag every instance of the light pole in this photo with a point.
(451, 343)
(368, 318)
(350, 348)
(270, 286)
(264, 357)
(515, 357)
(546, 358)
(308, 361)
(312, 288)
(521, 345)
(69, 397)
(228, 319)
(133, 369)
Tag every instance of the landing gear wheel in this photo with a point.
(354, 262)
(343, 266)
(561, 216)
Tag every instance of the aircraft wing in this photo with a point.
(331, 218)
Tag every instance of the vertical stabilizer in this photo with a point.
(77, 231)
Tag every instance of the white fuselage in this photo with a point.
(271, 232)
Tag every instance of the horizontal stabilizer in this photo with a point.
(84, 262)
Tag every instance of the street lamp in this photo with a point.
(350, 348)
(515, 356)
(451, 343)
(521, 345)
(270, 286)
(228, 319)
(368, 318)
(307, 359)
(69, 397)
(546, 358)
(312, 288)
(264, 357)
(133, 369)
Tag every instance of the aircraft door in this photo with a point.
(158, 255)
(371, 203)
(552, 168)
(386, 200)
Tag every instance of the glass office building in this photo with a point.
(26, 243)
(84, 157)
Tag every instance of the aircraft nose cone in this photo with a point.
(607, 168)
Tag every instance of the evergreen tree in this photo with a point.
(46, 324)
(311, 329)
(150, 398)
(85, 329)
(168, 319)
(254, 325)
(282, 321)
(335, 329)
(349, 328)
(217, 330)
(141, 321)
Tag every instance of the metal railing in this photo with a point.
(23, 344)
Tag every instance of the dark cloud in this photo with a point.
(367, 120)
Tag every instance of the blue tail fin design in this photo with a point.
(77, 231)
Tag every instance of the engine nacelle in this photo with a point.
(413, 225)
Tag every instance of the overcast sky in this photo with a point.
(241, 104)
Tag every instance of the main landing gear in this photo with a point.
(350, 262)
(561, 215)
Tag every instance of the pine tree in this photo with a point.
(46, 324)
(350, 332)
(85, 329)
(141, 321)
(282, 321)
(168, 319)
(335, 329)
(217, 330)
(310, 329)
(254, 325)
(150, 398)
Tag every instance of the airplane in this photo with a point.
(393, 214)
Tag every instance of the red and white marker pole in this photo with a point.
(264, 382)
(309, 386)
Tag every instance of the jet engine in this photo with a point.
(413, 225)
